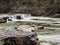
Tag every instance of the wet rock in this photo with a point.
(41, 27)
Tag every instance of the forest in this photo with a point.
(35, 7)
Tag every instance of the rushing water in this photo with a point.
(52, 21)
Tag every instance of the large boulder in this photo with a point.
(14, 37)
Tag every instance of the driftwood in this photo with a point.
(15, 37)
